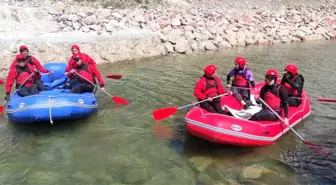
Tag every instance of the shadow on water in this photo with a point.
(189, 145)
(46, 128)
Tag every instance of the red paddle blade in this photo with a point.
(163, 113)
(120, 100)
(309, 143)
(2, 81)
(318, 149)
(1, 108)
(113, 76)
(326, 100)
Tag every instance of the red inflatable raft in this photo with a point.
(230, 130)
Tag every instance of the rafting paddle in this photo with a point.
(318, 99)
(3, 105)
(116, 99)
(113, 76)
(163, 113)
(280, 118)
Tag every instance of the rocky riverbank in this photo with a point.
(137, 33)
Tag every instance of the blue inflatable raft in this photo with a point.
(53, 104)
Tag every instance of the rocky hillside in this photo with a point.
(109, 34)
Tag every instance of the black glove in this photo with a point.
(284, 79)
(7, 97)
(246, 106)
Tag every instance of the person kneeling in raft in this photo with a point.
(243, 77)
(85, 73)
(209, 85)
(25, 76)
(275, 96)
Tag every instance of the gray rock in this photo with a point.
(60, 6)
(90, 20)
(232, 41)
(162, 37)
(82, 14)
(172, 36)
(321, 31)
(54, 12)
(169, 47)
(254, 171)
(95, 27)
(194, 45)
(224, 44)
(299, 34)
(262, 41)
(76, 25)
(209, 45)
(182, 45)
(241, 41)
(331, 35)
(176, 22)
(313, 37)
(306, 30)
(13, 48)
(250, 41)
(72, 17)
(116, 15)
(189, 35)
(85, 29)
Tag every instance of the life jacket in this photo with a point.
(240, 78)
(273, 100)
(290, 90)
(84, 71)
(21, 75)
(210, 90)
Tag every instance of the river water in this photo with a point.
(117, 144)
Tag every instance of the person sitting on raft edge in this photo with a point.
(275, 96)
(293, 83)
(20, 74)
(31, 61)
(85, 73)
(243, 79)
(209, 85)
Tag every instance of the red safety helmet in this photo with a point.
(76, 57)
(241, 61)
(20, 58)
(291, 68)
(22, 48)
(75, 46)
(272, 72)
(209, 70)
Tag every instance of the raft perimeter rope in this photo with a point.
(51, 121)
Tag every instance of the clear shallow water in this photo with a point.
(117, 145)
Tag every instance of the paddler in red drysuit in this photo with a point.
(72, 64)
(293, 83)
(243, 78)
(275, 96)
(209, 85)
(20, 73)
(86, 58)
(32, 61)
(89, 72)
